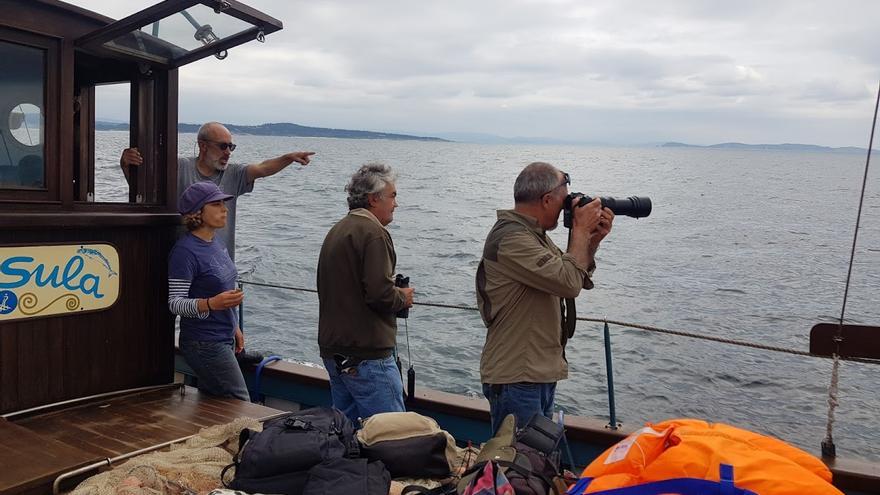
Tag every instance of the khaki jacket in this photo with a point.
(356, 292)
(520, 281)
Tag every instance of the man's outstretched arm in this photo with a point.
(274, 165)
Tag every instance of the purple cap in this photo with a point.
(198, 195)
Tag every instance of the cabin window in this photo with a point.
(118, 107)
(22, 117)
(178, 34)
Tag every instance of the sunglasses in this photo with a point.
(222, 146)
(566, 180)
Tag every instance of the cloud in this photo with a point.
(539, 68)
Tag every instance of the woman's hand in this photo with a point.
(227, 299)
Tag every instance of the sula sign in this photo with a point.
(39, 281)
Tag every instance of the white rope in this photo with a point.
(832, 399)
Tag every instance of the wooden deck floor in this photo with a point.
(37, 449)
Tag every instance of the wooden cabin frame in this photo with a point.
(68, 380)
(131, 344)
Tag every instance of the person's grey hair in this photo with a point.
(534, 181)
(205, 129)
(369, 179)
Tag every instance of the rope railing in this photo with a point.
(625, 324)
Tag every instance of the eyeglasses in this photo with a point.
(221, 145)
(566, 180)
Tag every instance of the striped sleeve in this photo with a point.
(178, 301)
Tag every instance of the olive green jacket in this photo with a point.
(520, 282)
(356, 292)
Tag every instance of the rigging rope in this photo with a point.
(613, 322)
(828, 449)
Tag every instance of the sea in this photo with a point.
(747, 245)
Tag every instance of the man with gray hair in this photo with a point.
(358, 300)
(212, 164)
(521, 281)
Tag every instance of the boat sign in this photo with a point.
(39, 281)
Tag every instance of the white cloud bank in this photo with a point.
(604, 71)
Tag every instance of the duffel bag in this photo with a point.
(409, 444)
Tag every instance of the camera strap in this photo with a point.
(569, 320)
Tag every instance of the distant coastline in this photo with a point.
(285, 129)
(296, 130)
(770, 147)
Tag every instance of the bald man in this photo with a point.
(212, 164)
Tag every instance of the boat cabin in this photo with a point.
(83, 282)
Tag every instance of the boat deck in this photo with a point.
(38, 448)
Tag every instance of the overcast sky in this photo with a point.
(620, 71)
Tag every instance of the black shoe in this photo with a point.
(245, 358)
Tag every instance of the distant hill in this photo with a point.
(770, 147)
(284, 129)
(482, 138)
(110, 126)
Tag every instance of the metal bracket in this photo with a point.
(221, 6)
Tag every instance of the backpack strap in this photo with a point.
(449, 489)
(223, 475)
(528, 473)
(243, 436)
(474, 468)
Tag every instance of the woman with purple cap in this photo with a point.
(201, 289)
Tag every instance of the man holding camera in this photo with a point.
(358, 299)
(521, 281)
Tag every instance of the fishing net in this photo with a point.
(189, 467)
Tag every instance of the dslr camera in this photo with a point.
(633, 206)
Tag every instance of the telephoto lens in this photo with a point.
(633, 206)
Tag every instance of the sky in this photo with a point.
(602, 71)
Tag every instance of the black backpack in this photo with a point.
(277, 459)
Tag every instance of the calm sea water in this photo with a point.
(747, 245)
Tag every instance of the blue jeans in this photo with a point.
(523, 400)
(373, 386)
(216, 368)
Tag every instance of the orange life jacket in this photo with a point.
(690, 448)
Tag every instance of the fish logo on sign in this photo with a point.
(57, 280)
(95, 254)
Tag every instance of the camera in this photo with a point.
(633, 206)
(401, 281)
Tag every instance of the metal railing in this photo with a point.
(612, 424)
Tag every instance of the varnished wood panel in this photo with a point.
(28, 458)
(129, 345)
(125, 424)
